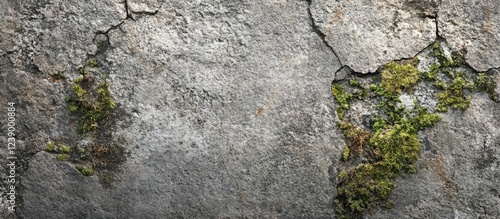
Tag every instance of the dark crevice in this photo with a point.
(129, 16)
(126, 10)
(316, 30)
(437, 24)
(493, 71)
(10, 52)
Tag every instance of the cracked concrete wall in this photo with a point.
(224, 107)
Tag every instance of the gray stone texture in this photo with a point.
(224, 107)
(458, 173)
(368, 34)
(473, 28)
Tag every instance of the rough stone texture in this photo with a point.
(225, 107)
(240, 123)
(144, 6)
(63, 184)
(473, 29)
(458, 173)
(41, 43)
(368, 34)
(61, 32)
(10, 25)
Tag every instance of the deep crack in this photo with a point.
(126, 10)
(316, 30)
(128, 16)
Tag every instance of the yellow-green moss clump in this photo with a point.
(397, 77)
(376, 154)
(93, 104)
(392, 146)
(84, 170)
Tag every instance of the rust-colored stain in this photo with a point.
(56, 77)
(259, 112)
(337, 16)
(449, 189)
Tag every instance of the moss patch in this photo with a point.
(50, 147)
(397, 77)
(378, 152)
(84, 170)
(92, 103)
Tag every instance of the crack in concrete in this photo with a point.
(437, 24)
(318, 31)
(128, 16)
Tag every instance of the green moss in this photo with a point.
(340, 112)
(62, 157)
(453, 95)
(440, 84)
(361, 188)
(79, 79)
(93, 106)
(378, 89)
(50, 146)
(94, 63)
(483, 82)
(390, 145)
(423, 119)
(82, 71)
(394, 147)
(438, 53)
(79, 91)
(346, 153)
(84, 170)
(63, 148)
(341, 96)
(432, 73)
(456, 59)
(397, 77)
(354, 82)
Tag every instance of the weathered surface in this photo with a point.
(459, 166)
(225, 115)
(473, 29)
(41, 44)
(225, 106)
(63, 31)
(143, 6)
(63, 184)
(368, 34)
(458, 173)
